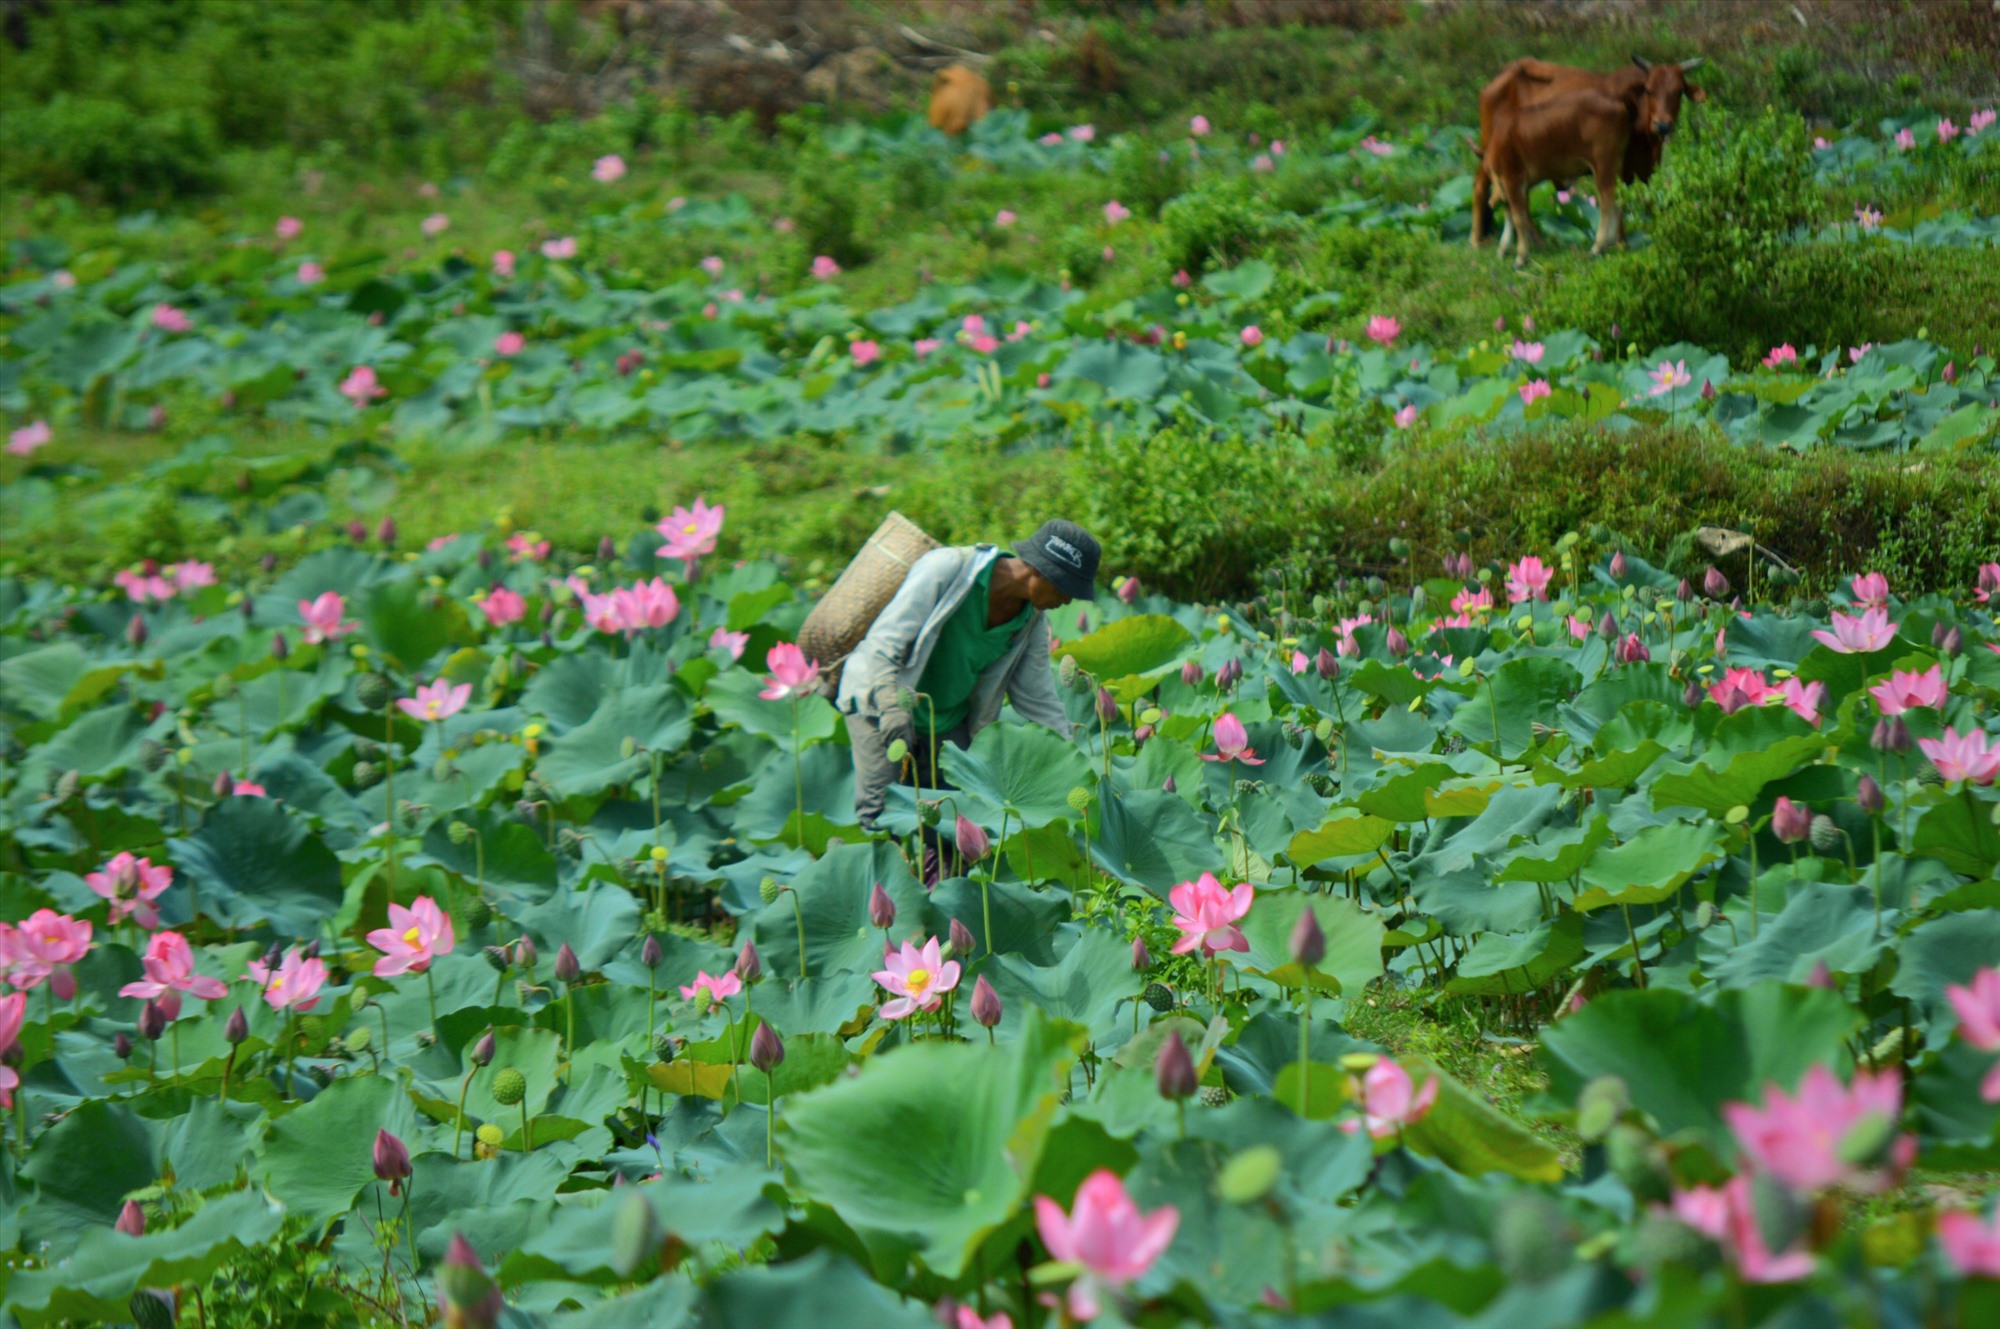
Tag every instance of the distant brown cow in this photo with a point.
(1581, 131)
(959, 98)
(1526, 83)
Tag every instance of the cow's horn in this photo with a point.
(1643, 63)
(1689, 66)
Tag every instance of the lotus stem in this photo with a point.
(430, 993)
(799, 916)
(458, 1124)
(527, 1129)
(1638, 965)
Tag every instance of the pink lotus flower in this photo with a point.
(968, 1317)
(824, 268)
(1972, 1246)
(323, 618)
(791, 675)
(1632, 650)
(1472, 601)
(1115, 212)
(1978, 1008)
(361, 388)
(293, 985)
(1579, 628)
(1384, 330)
(1907, 690)
(1781, 355)
(1082, 133)
(65, 280)
(288, 228)
(1799, 1139)
(1528, 580)
(984, 344)
(1206, 914)
(1870, 218)
(1854, 353)
(311, 274)
(690, 533)
(1389, 1101)
(1277, 147)
(1198, 125)
(1821, 144)
(919, 978)
(646, 604)
(438, 700)
(721, 988)
(1727, 1215)
(509, 343)
(415, 937)
(435, 224)
(527, 544)
(502, 606)
(169, 964)
(243, 788)
(1232, 743)
(1946, 130)
(1535, 391)
(45, 945)
(722, 639)
(1530, 351)
(1668, 377)
(562, 247)
(1052, 139)
(1740, 687)
(1252, 336)
(1803, 699)
(1871, 591)
(29, 437)
(608, 169)
(131, 885)
(503, 263)
(193, 574)
(1106, 1234)
(1871, 631)
(923, 346)
(1981, 120)
(1905, 140)
(169, 319)
(1963, 756)
(143, 587)
(1262, 164)
(1406, 415)
(864, 352)
(13, 1009)
(1375, 146)
(712, 265)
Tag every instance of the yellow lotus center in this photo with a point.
(277, 981)
(51, 941)
(411, 937)
(689, 529)
(430, 710)
(917, 980)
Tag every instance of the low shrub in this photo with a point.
(104, 149)
(1219, 223)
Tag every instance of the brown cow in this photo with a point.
(1528, 82)
(959, 98)
(1558, 140)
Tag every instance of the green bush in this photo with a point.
(105, 149)
(1219, 223)
(824, 200)
(1146, 175)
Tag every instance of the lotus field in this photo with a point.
(476, 930)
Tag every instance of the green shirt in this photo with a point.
(965, 649)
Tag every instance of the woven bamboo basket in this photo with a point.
(844, 614)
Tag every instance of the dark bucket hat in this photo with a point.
(1066, 554)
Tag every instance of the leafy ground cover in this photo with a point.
(525, 863)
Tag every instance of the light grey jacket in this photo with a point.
(900, 643)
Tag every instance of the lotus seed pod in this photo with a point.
(567, 969)
(1704, 915)
(1150, 716)
(1889, 1048)
(490, 1135)
(1213, 1095)
(1174, 1072)
(497, 957)
(929, 814)
(460, 832)
(510, 1086)
(650, 953)
(1160, 997)
(985, 1003)
(478, 913)
(1530, 1241)
(635, 1235)
(1079, 799)
(1868, 796)
(1066, 671)
(768, 890)
(766, 1048)
(67, 784)
(152, 755)
(664, 1047)
(1930, 775)
(373, 692)
(961, 939)
(1826, 835)
(358, 1040)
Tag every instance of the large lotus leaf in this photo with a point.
(833, 895)
(1021, 771)
(664, 1303)
(1555, 856)
(811, 1060)
(1717, 787)
(733, 697)
(592, 757)
(502, 855)
(800, 1292)
(1616, 769)
(1348, 833)
(1517, 812)
(318, 1158)
(402, 621)
(96, 1283)
(1682, 1059)
(1468, 902)
(37, 682)
(961, 1161)
(569, 689)
(1608, 695)
(1651, 866)
(1522, 693)
(824, 778)
(1960, 833)
(1821, 923)
(1944, 952)
(442, 1188)
(1431, 789)
(1122, 369)
(1269, 1042)
(1153, 839)
(1128, 646)
(1960, 1128)
(251, 861)
(536, 1053)
(1088, 985)
(729, 1208)
(1471, 1135)
(97, 743)
(83, 1167)
(1353, 940)
(1024, 919)
(1506, 963)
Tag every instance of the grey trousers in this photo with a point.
(874, 773)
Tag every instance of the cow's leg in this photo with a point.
(1481, 207)
(1518, 215)
(1610, 224)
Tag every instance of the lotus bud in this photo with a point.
(1790, 822)
(961, 938)
(1868, 796)
(485, 560)
(881, 909)
(152, 1021)
(1607, 627)
(312, 949)
(1174, 1071)
(1066, 671)
(1169, 786)
(1713, 584)
(237, 1027)
(524, 952)
(1107, 706)
(386, 532)
(152, 755)
(768, 890)
(1691, 695)
(1953, 643)
(607, 550)
(1083, 620)
(1950, 374)
(1325, 665)
(568, 968)
(392, 1161)
(1142, 959)
(749, 965)
(985, 1003)
(1308, 942)
(1191, 672)
(1684, 592)
(1225, 677)
(1821, 976)
(1399, 645)
(357, 531)
(972, 841)
(121, 1045)
(1128, 590)
(482, 1051)
(135, 631)
(1890, 735)
(1707, 390)
(766, 1048)
(1826, 834)
(1633, 651)
(1618, 565)
(650, 954)
(131, 1220)
(468, 1298)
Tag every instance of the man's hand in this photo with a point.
(893, 721)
